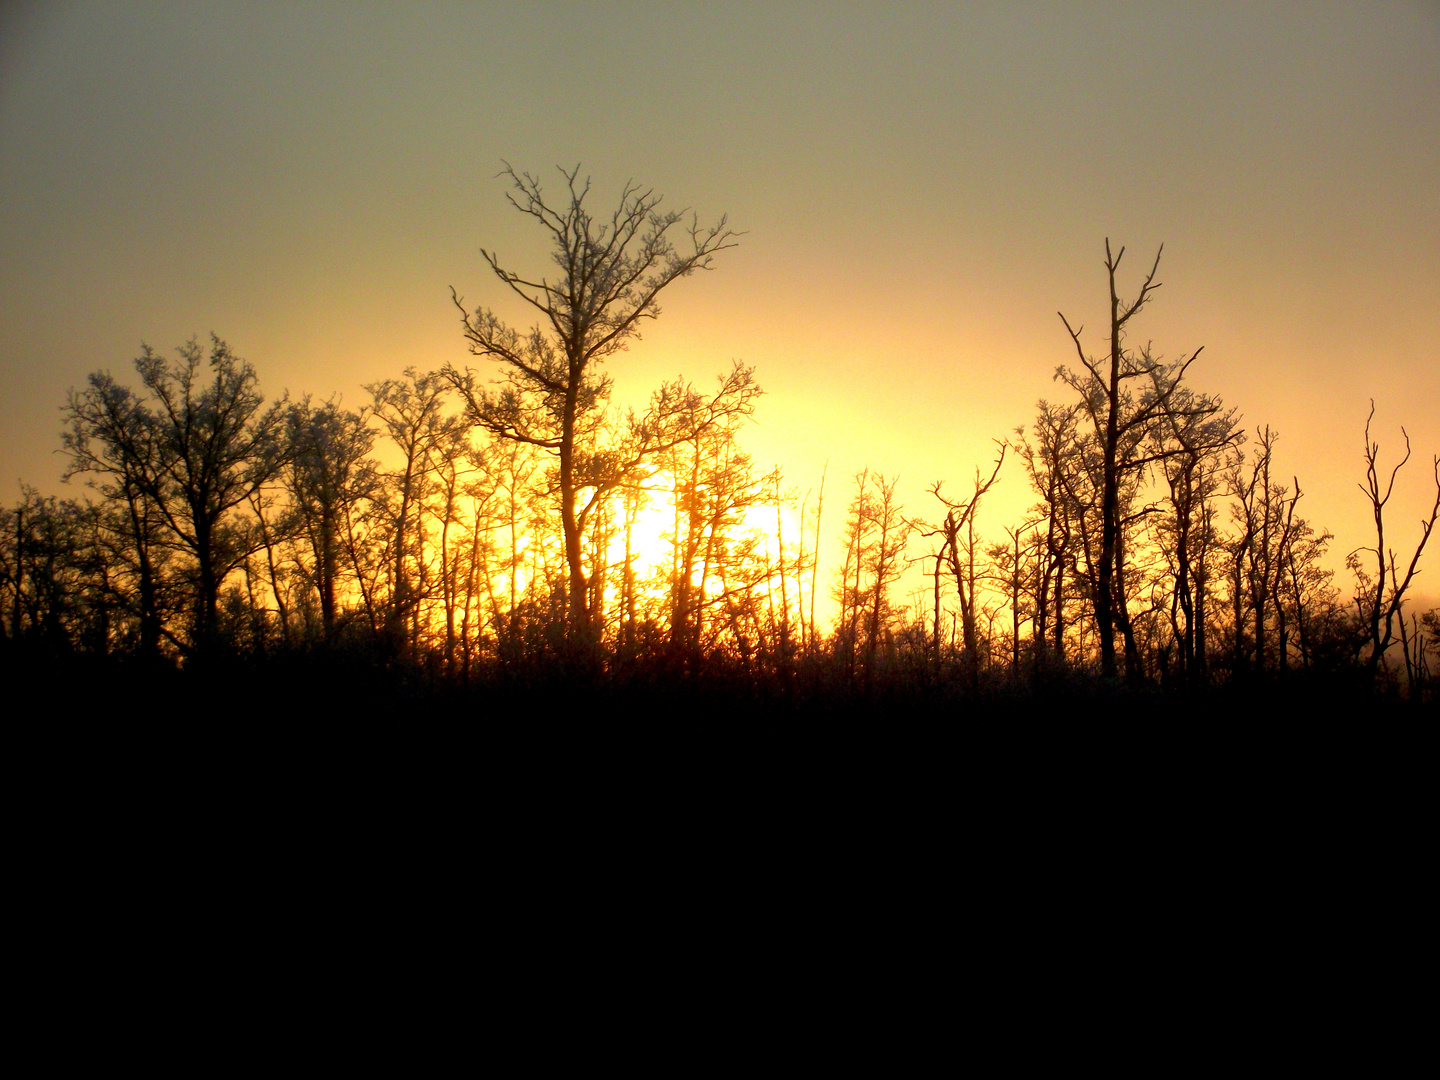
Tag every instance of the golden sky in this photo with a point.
(922, 187)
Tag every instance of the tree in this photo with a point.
(328, 478)
(196, 451)
(1053, 465)
(552, 392)
(513, 475)
(957, 552)
(411, 411)
(876, 535)
(111, 436)
(1265, 511)
(1380, 600)
(1195, 446)
(48, 578)
(217, 449)
(714, 484)
(1014, 567)
(1121, 422)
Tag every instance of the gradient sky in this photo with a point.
(922, 187)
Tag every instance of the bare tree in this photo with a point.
(957, 552)
(1195, 447)
(884, 562)
(814, 557)
(1265, 512)
(329, 478)
(111, 437)
(48, 575)
(552, 392)
(197, 451)
(411, 410)
(876, 534)
(715, 485)
(1380, 599)
(1013, 568)
(1121, 421)
(1052, 464)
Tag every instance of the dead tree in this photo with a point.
(1379, 599)
(957, 552)
(1121, 420)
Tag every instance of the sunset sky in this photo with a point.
(921, 187)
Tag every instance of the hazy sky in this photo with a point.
(921, 186)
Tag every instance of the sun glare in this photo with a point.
(650, 536)
(652, 531)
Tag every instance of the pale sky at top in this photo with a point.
(922, 187)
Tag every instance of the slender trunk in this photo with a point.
(329, 558)
(784, 590)
(470, 583)
(1133, 670)
(1202, 580)
(581, 631)
(1110, 498)
(1060, 609)
(627, 632)
(367, 594)
(209, 598)
(815, 569)
(149, 601)
(939, 557)
(272, 572)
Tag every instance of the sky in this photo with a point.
(921, 188)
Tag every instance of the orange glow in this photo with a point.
(918, 197)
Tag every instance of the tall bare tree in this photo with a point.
(612, 269)
(1380, 600)
(957, 553)
(1122, 418)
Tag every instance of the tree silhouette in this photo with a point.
(1263, 554)
(1194, 445)
(611, 273)
(196, 451)
(329, 479)
(48, 559)
(714, 484)
(411, 412)
(1380, 600)
(110, 435)
(957, 553)
(876, 534)
(1121, 420)
(1051, 462)
(519, 559)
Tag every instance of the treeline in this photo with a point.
(398, 530)
(403, 533)
(462, 530)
